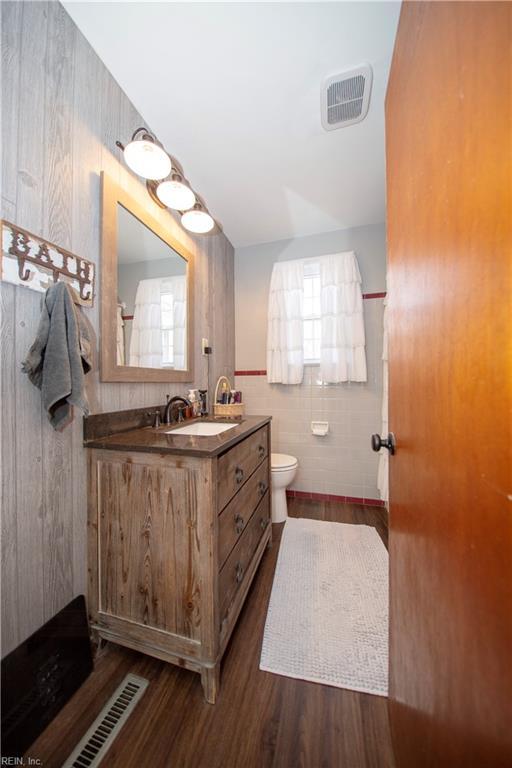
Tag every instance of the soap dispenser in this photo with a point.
(194, 401)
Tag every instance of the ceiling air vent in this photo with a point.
(346, 97)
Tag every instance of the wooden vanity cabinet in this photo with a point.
(174, 543)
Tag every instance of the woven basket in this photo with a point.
(235, 409)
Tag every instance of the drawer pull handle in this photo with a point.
(264, 522)
(261, 451)
(262, 487)
(239, 572)
(239, 523)
(239, 475)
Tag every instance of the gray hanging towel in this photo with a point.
(60, 355)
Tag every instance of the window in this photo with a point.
(315, 316)
(312, 313)
(167, 327)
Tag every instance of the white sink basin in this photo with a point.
(203, 428)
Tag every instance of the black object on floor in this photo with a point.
(41, 674)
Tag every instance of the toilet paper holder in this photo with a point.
(320, 428)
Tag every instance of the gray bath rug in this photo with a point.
(327, 620)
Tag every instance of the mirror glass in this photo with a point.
(152, 298)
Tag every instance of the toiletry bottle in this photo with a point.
(223, 398)
(192, 396)
(203, 400)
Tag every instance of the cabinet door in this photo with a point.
(150, 547)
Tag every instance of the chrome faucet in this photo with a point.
(170, 403)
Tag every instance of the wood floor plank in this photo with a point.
(260, 720)
(339, 512)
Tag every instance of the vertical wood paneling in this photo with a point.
(8, 506)
(110, 394)
(10, 36)
(222, 298)
(11, 39)
(64, 112)
(85, 237)
(57, 453)
(29, 92)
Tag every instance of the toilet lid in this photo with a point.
(282, 461)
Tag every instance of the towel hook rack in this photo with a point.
(33, 262)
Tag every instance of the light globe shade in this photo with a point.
(147, 159)
(175, 195)
(197, 221)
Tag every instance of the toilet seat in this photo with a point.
(281, 462)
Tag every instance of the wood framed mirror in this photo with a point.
(146, 294)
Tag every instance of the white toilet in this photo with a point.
(283, 469)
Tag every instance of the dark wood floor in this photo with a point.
(355, 514)
(260, 720)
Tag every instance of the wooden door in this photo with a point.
(449, 169)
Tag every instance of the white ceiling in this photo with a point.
(233, 91)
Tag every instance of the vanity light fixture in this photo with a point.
(197, 220)
(165, 182)
(146, 156)
(174, 194)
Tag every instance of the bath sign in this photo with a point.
(29, 261)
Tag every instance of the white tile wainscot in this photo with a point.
(342, 463)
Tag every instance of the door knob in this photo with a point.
(389, 442)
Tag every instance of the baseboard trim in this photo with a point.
(330, 497)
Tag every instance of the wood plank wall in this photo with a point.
(62, 112)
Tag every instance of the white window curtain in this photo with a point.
(342, 349)
(342, 346)
(285, 335)
(146, 337)
(177, 287)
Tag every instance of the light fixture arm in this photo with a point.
(202, 203)
(151, 189)
(147, 135)
(177, 166)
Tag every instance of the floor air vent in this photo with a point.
(346, 97)
(91, 750)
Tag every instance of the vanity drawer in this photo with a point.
(236, 516)
(238, 464)
(233, 572)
